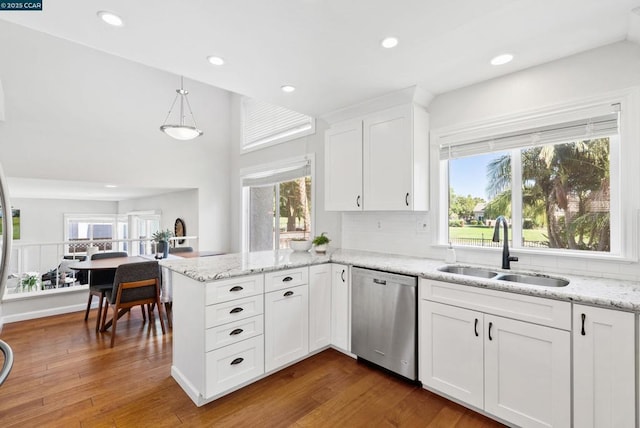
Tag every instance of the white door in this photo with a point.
(527, 373)
(319, 306)
(451, 351)
(343, 167)
(340, 307)
(603, 364)
(286, 326)
(388, 160)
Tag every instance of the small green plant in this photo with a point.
(321, 239)
(162, 235)
(29, 282)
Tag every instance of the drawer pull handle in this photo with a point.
(358, 201)
(236, 331)
(342, 275)
(406, 199)
(287, 279)
(236, 310)
(379, 281)
(490, 325)
(583, 318)
(288, 293)
(237, 361)
(236, 288)
(475, 327)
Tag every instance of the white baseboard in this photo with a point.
(42, 313)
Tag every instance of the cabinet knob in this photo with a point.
(237, 361)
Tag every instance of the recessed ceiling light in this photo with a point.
(389, 42)
(111, 18)
(110, 186)
(215, 60)
(501, 59)
(288, 88)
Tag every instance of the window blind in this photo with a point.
(581, 129)
(264, 123)
(287, 173)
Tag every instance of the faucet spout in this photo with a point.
(506, 258)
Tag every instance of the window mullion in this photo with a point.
(276, 212)
(516, 198)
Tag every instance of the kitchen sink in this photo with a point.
(545, 281)
(469, 271)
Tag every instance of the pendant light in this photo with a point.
(181, 131)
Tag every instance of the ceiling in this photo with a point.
(330, 49)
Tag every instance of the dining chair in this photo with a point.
(100, 281)
(135, 284)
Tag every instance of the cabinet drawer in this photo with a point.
(538, 310)
(285, 279)
(227, 334)
(233, 365)
(240, 309)
(234, 288)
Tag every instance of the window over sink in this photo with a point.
(556, 177)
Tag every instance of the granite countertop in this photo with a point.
(604, 292)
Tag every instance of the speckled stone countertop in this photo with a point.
(604, 292)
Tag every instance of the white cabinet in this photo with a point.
(603, 367)
(340, 307)
(319, 306)
(387, 169)
(343, 167)
(473, 351)
(286, 323)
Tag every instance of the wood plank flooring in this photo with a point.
(65, 375)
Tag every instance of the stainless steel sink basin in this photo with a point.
(545, 281)
(469, 271)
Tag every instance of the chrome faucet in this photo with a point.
(506, 258)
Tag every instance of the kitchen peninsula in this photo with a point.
(241, 317)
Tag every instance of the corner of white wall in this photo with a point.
(1, 107)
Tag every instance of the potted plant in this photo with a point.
(29, 281)
(320, 242)
(162, 238)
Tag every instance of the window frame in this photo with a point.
(264, 170)
(627, 174)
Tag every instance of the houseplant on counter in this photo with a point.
(320, 243)
(162, 239)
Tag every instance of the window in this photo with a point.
(265, 124)
(557, 185)
(86, 227)
(278, 206)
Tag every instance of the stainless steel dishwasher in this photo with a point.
(384, 320)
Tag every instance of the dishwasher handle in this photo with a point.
(379, 281)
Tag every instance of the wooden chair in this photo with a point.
(135, 284)
(99, 282)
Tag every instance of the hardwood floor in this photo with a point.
(65, 375)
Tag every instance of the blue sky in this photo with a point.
(468, 176)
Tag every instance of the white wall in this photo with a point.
(324, 221)
(74, 113)
(591, 73)
(173, 205)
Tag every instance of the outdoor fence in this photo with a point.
(487, 242)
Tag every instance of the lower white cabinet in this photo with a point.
(319, 306)
(517, 371)
(286, 326)
(340, 307)
(603, 367)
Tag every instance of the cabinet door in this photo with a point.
(319, 306)
(527, 373)
(451, 351)
(286, 326)
(343, 167)
(340, 307)
(603, 363)
(388, 160)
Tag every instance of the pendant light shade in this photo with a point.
(181, 131)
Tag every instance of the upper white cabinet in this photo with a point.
(343, 167)
(603, 367)
(379, 162)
